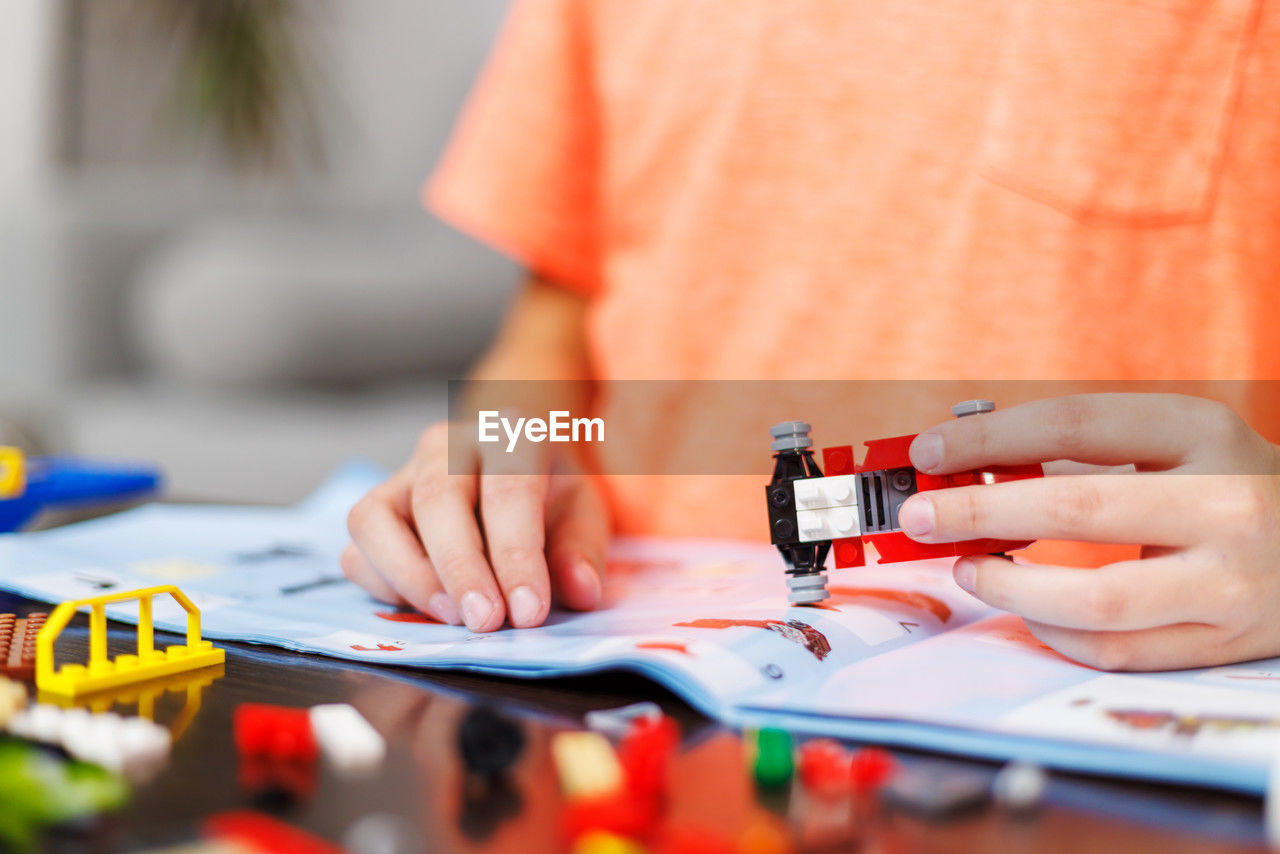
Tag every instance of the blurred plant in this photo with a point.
(243, 74)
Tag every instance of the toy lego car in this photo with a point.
(812, 513)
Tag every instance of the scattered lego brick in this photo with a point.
(278, 753)
(825, 767)
(616, 723)
(102, 673)
(132, 746)
(646, 752)
(620, 813)
(604, 842)
(587, 764)
(870, 769)
(18, 645)
(1020, 786)
(764, 836)
(772, 762)
(277, 732)
(489, 742)
(348, 741)
(936, 794)
(261, 834)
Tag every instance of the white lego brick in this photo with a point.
(829, 524)
(134, 746)
(616, 723)
(348, 741)
(818, 493)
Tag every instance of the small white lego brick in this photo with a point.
(828, 524)
(587, 764)
(1019, 786)
(816, 493)
(618, 722)
(135, 747)
(347, 740)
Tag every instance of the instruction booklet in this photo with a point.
(898, 655)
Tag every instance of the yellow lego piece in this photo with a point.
(103, 673)
(13, 472)
(587, 764)
(604, 842)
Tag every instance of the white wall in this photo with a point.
(27, 84)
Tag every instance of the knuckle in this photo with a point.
(430, 487)
(1104, 604)
(507, 488)
(1222, 426)
(971, 514)
(455, 563)
(514, 555)
(1074, 507)
(1069, 419)
(1249, 511)
(1232, 596)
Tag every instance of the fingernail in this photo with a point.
(476, 610)
(443, 609)
(926, 451)
(915, 517)
(588, 581)
(966, 574)
(524, 606)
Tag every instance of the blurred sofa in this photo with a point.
(248, 333)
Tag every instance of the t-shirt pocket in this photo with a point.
(1118, 110)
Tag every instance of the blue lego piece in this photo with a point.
(65, 482)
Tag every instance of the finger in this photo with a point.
(1124, 596)
(443, 507)
(1149, 509)
(1164, 648)
(383, 535)
(1154, 430)
(356, 567)
(512, 508)
(1058, 468)
(577, 541)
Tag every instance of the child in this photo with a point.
(908, 191)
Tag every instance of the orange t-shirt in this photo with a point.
(920, 189)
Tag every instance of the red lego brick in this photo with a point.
(887, 453)
(284, 780)
(825, 767)
(622, 813)
(18, 645)
(849, 552)
(870, 769)
(275, 732)
(262, 834)
(645, 753)
(837, 460)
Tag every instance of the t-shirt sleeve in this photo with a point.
(520, 172)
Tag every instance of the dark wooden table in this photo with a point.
(424, 786)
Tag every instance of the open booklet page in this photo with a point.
(898, 654)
